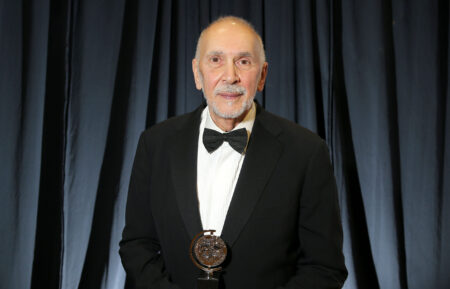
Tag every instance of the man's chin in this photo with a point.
(230, 109)
(228, 115)
(231, 113)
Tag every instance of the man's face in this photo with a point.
(229, 69)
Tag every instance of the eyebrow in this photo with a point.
(240, 54)
(215, 52)
(245, 54)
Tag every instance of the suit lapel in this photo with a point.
(183, 163)
(262, 154)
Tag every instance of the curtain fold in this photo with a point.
(23, 65)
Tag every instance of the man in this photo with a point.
(272, 199)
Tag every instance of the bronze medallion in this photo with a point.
(210, 250)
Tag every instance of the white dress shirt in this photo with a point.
(217, 173)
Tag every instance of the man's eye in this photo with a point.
(244, 62)
(215, 59)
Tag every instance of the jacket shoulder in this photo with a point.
(289, 132)
(172, 125)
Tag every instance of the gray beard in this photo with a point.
(245, 107)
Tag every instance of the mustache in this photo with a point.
(230, 88)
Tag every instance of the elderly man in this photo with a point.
(262, 183)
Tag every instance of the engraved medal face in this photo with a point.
(207, 251)
(210, 250)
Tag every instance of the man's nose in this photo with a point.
(230, 74)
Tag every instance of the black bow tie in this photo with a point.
(213, 139)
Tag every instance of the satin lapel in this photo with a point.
(183, 163)
(262, 154)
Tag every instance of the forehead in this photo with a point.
(229, 38)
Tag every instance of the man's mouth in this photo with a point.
(230, 92)
(229, 95)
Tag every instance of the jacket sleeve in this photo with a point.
(320, 263)
(139, 247)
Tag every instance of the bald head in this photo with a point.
(230, 21)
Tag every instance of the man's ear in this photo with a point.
(198, 83)
(262, 80)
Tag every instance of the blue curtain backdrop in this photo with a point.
(80, 79)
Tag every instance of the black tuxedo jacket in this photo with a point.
(282, 229)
